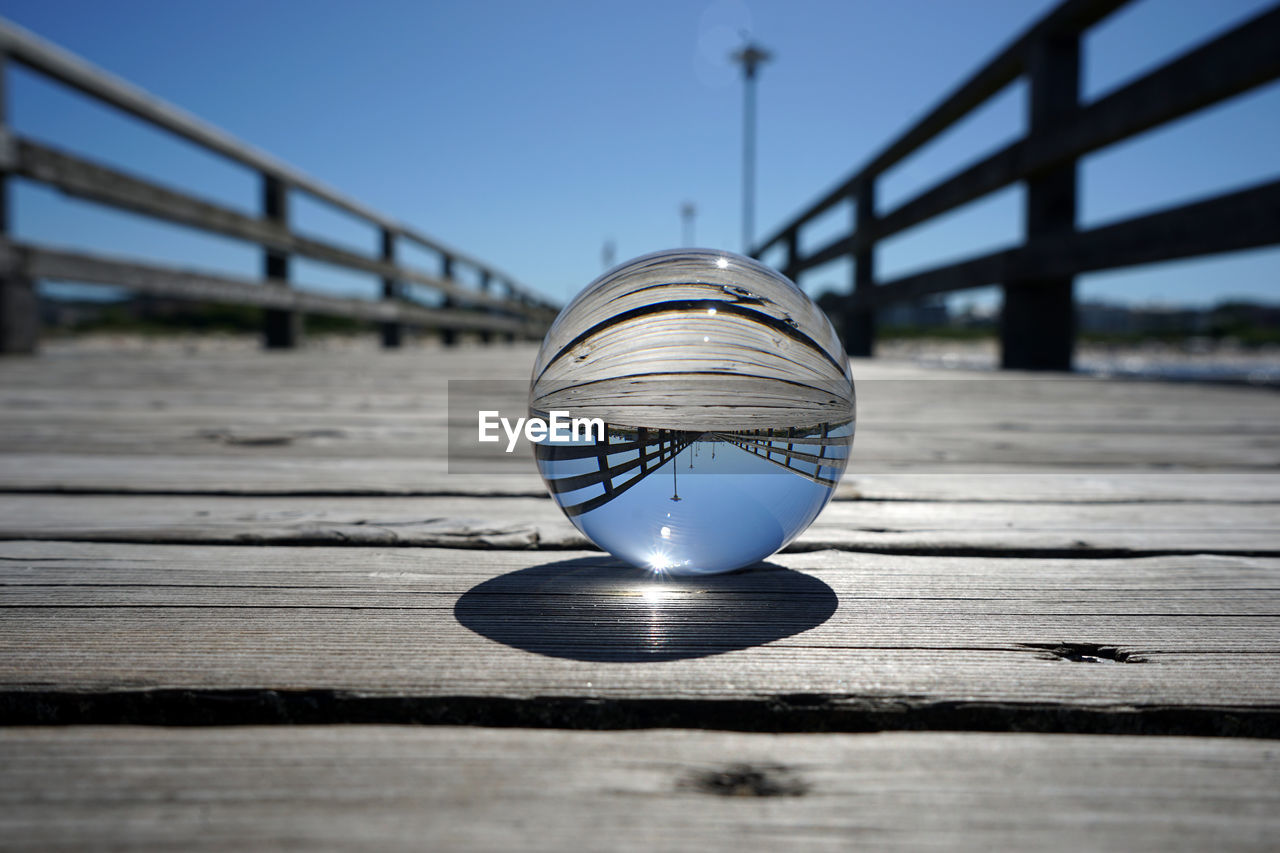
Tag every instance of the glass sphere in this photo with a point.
(711, 411)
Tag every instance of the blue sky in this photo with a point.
(529, 133)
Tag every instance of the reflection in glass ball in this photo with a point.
(727, 409)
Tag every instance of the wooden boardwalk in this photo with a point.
(1041, 612)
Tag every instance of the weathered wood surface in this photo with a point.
(269, 475)
(492, 521)
(845, 632)
(988, 565)
(346, 424)
(1186, 643)
(399, 788)
(338, 423)
(947, 449)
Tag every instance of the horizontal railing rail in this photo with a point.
(1037, 325)
(38, 263)
(498, 305)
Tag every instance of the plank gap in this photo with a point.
(786, 713)
(1083, 551)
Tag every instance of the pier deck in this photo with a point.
(1041, 611)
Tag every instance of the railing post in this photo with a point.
(859, 314)
(511, 292)
(282, 327)
(392, 330)
(793, 255)
(19, 305)
(448, 337)
(1038, 324)
(485, 335)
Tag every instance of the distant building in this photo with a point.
(919, 314)
(67, 314)
(1112, 318)
(1246, 313)
(1227, 319)
(1104, 318)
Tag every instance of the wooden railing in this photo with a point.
(1037, 326)
(499, 305)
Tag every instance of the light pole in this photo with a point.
(751, 55)
(688, 211)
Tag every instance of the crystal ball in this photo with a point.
(702, 411)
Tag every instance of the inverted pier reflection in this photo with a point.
(629, 455)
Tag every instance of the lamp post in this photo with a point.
(750, 56)
(688, 211)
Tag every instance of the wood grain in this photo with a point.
(370, 423)
(393, 788)
(170, 523)
(143, 474)
(916, 632)
(492, 521)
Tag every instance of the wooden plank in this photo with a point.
(970, 408)
(1245, 219)
(454, 521)
(123, 473)
(93, 181)
(42, 263)
(838, 247)
(143, 420)
(991, 268)
(1233, 221)
(878, 449)
(830, 640)
(242, 377)
(390, 788)
(313, 423)
(1093, 486)
(86, 374)
(489, 521)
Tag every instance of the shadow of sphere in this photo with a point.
(600, 609)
